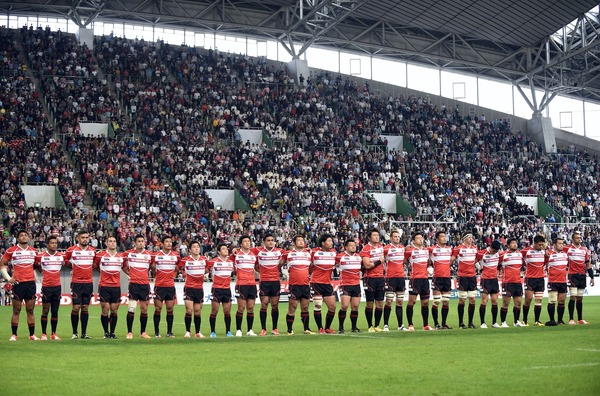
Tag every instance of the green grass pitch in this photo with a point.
(561, 360)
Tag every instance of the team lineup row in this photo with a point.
(383, 270)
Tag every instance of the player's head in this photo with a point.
(111, 242)
(52, 243)
(194, 247)
(167, 242)
(222, 249)
(298, 242)
(269, 241)
(325, 241)
(539, 242)
(83, 238)
(22, 237)
(373, 235)
(440, 238)
(244, 242)
(577, 238)
(467, 238)
(417, 239)
(559, 244)
(495, 246)
(512, 244)
(350, 246)
(139, 242)
(395, 236)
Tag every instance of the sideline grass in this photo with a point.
(559, 360)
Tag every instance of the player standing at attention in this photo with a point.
(268, 265)
(557, 262)
(534, 258)
(350, 264)
(164, 267)
(373, 279)
(394, 280)
(298, 263)
(579, 263)
(194, 269)
(110, 263)
(439, 256)
(138, 261)
(49, 264)
(321, 267)
(467, 278)
(489, 258)
(416, 257)
(222, 269)
(22, 258)
(244, 262)
(80, 258)
(510, 264)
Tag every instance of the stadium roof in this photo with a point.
(547, 44)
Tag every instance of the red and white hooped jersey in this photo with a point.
(244, 263)
(350, 265)
(511, 263)
(440, 258)
(51, 265)
(139, 265)
(394, 257)
(194, 269)
(578, 257)
(375, 253)
(221, 270)
(466, 259)
(82, 261)
(557, 264)
(489, 263)
(22, 261)
(534, 262)
(418, 259)
(298, 263)
(323, 265)
(110, 266)
(165, 265)
(268, 263)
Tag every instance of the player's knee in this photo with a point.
(552, 297)
(580, 293)
(29, 311)
(389, 296)
(472, 294)
(400, 297)
(132, 306)
(462, 294)
(445, 298)
(573, 292)
(317, 303)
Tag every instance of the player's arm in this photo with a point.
(125, 264)
(4, 268)
(589, 269)
(37, 263)
(96, 264)
(68, 255)
(311, 267)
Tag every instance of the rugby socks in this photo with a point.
(369, 316)
(525, 313)
(213, 322)
(239, 316)
(227, 323)
(75, 320)
(250, 320)
(289, 319)
(561, 311)
(387, 311)
(170, 322)
(263, 318)
(503, 313)
(104, 321)
(471, 312)
(274, 316)
(399, 314)
(551, 308)
(305, 317)
(188, 322)
(85, 316)
(197, 320)
(571, 309)
(143, 321)
(425, 315)
(378, 314)
(14, 326)
(54, 322)
(354, 319)
(461, 313)
(516, 313)
(130, 316)
(329, 319)
(434, 314)
(113, 322)
(409, 314)
(482, 313)
(54, 315)
(579, 306)
(341, 319)
(537, 310)
(445, 311)
(318, 319)
(31, 328)
(494, 313)
(156, 318)
(44, 321)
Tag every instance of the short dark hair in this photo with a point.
(22, 232)
(192, 243)
(267, 235)
(220, 245)
(496, 245)
(296, 237)
(539, 238)
(347, 241)
(437, 234)
(509, 240)
(165, 237)
(323, 238)
(558, 239)
(371, 231)
(51, 237)
(242, 238)
(82, 231)
(138, 236)
(416, 234)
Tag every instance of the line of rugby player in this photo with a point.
(383, 270)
